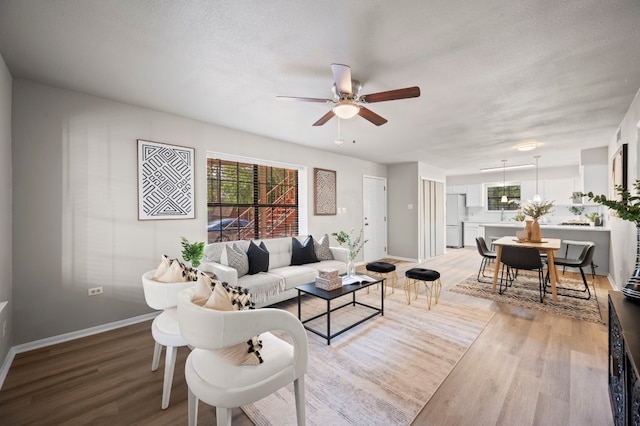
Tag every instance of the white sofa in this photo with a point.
(280, 281)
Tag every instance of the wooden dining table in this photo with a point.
(548, 245)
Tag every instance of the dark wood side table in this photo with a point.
(624, 359)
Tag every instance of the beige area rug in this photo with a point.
(525, 292)
(383, 371)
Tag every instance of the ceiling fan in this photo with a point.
(347, 99)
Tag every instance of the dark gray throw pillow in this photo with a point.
(302, 253)
(258, 258)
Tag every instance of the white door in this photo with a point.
(374, 209)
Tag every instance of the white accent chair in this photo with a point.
(164, 329)
(218, 382)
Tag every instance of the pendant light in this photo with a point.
(504, 182)
(536, 197)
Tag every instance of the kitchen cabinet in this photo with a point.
(594, 179)
(457, 189)
(560, 190)
(528, 189)
(471, 231)
(475, 195)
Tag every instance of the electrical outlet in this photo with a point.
(95, 290)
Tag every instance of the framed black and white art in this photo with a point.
(324, 188)
(165, 181)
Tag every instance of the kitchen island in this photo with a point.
(596, 234)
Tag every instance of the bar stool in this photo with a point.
(384, 270)
(431, 280)
(582, 245)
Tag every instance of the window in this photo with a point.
(246, 201)
(495, 193)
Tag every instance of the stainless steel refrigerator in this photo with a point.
(456, 204)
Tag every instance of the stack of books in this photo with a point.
(328, 279)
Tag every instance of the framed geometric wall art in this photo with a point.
(324, 190)
(165, 181)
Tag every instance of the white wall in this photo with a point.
(404, 182)
(75, 197)
(623, 233)
(403, 222)
(5, 210)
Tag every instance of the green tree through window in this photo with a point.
(495, 193)
(247, 201)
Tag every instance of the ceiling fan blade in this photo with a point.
(342, 78)
(328, 116)
(391, 95)
(367, 114)
(298, 99)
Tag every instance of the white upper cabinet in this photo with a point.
(559, 191)
(594, 179)
(528, 189)
(457, 189)
(475, 195)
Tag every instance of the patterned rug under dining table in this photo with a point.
(548, 245)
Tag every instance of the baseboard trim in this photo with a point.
(37, 344)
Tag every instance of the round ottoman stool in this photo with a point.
(431, 280)
(384, 270)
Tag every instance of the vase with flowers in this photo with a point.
(626, 207)
(535, 210)
(354, 245)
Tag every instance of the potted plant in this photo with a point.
(593, 218)
(576, 210)
(354, 245)
(192, 252)
(535, 210)
(626, 207)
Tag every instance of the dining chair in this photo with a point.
(516, 258)
(488, 256)
(164, 328)
(568, 244)
(218, 381)
(584, 260)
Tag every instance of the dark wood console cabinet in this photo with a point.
(624, 359)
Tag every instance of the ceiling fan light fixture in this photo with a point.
(346, 109)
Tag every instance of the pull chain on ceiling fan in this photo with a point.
(347, 99)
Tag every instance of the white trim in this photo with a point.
(37, 344)
(252, 160)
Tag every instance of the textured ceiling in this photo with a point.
(492, 73)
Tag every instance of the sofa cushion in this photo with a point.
(224, 298)
(302, 253)
(234, 256)
(258, 258)
(175, 273)
(321, 248)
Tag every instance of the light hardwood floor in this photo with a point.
(526, 368)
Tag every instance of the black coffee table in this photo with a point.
(345, 290)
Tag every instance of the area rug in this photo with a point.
(525, 293)
(381, 372)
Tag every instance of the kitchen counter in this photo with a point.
(597, 234)
(543, 226)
